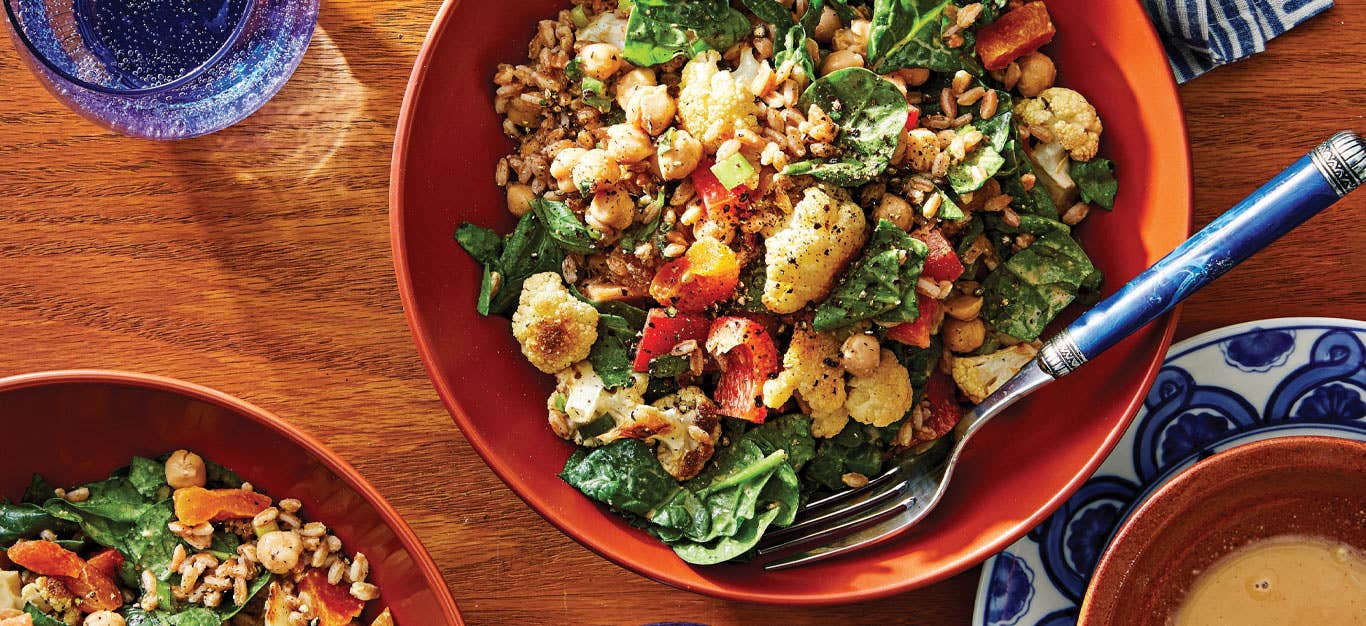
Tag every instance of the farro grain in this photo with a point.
(968, 15)
(1076, 213)
(854, 480)
(961, 80)
(319, 556)
(364, 591)
(1028, 180)
(177, 557)
(971, 96)
(266, 517)
(335, 573)
(80, 494)
(997, 203)
(360, 568)
(1010, 217)
(932, 205)
(948, 103)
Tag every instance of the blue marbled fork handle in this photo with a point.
(1314, 182)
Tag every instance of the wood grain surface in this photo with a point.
(257, 261)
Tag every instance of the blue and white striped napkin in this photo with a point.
(1200, 35)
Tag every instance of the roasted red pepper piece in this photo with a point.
(748, 357)
(945, 411)
(912, 117)
(96, 591)
(942, 262)
(917, 333)
(723, 205)
(332, 604)
(707, 273)
(663, 331)
(196, 505)
(1013, 35)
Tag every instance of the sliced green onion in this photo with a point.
(733, 171)
(580, 18)
(594, 85)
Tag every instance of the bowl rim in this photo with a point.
(964, 561)
(313, 446)
(1155, 511)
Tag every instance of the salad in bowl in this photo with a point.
(766, 247)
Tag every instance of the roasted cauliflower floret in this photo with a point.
(555, 328)
(978, 376)
(581, 398)
(683, 426)
(804, 255)
(1051, 164)
(10, 595)
(812, 371)
(50, 596)
(1063, 116)
(882, 397)
(712, 103)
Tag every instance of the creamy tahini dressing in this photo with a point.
(1281, 581)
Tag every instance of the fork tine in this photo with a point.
(841, 496)
(871, 500)
(844, 527)
(879, 531)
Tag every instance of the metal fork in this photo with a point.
(904, 495)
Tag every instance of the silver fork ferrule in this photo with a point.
(1060, 355)
(1341, 160)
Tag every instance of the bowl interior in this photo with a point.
(449, 139)
(1312, 486)
(78, 427)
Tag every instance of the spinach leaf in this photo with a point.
(623, 474)
(565, 227)
(1034, 201)
(147, 476)
(1030, 288)
(790, 42)
(114, 499)
(730, 487)
(651, 231)
(857, 448)
(528, 250)
(1096, 181)
(906, 33)
(919, 362)
(789, 433)
(219, 477)
(870, 113)
(668, 366)
(725, 548)
(971, 173)
(40, 618)
(611, 354)
(998, 128)
(38, 491)
(659, 30)
(948, 208)
(880, 285)
(751, 287)
(482, 243)
(26, 521)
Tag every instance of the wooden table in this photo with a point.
(256, 261)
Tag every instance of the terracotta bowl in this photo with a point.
(1285, 486)
(78, 426)
(1018, 469)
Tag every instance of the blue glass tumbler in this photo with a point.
(162, 69)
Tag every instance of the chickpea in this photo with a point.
(895, 210)
(860, 354)
(600, 60)
(279, 551)
(825, 29)
(963, 306)
(651, 108)
(639, 77)
(679, 153)
(185, 469)
(104, 618)
(595, 170)
(523, 112)
(839, 60)
(612, 209)
(1036, 74)
(519, 198)
(562, 167)
(961, 336)
(854, 38)
(914, 76)
(627, 144)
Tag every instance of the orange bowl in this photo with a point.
(1312, 486)
(1018, 469)
(77, 426)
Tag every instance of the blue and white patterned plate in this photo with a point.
(1218, 390)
